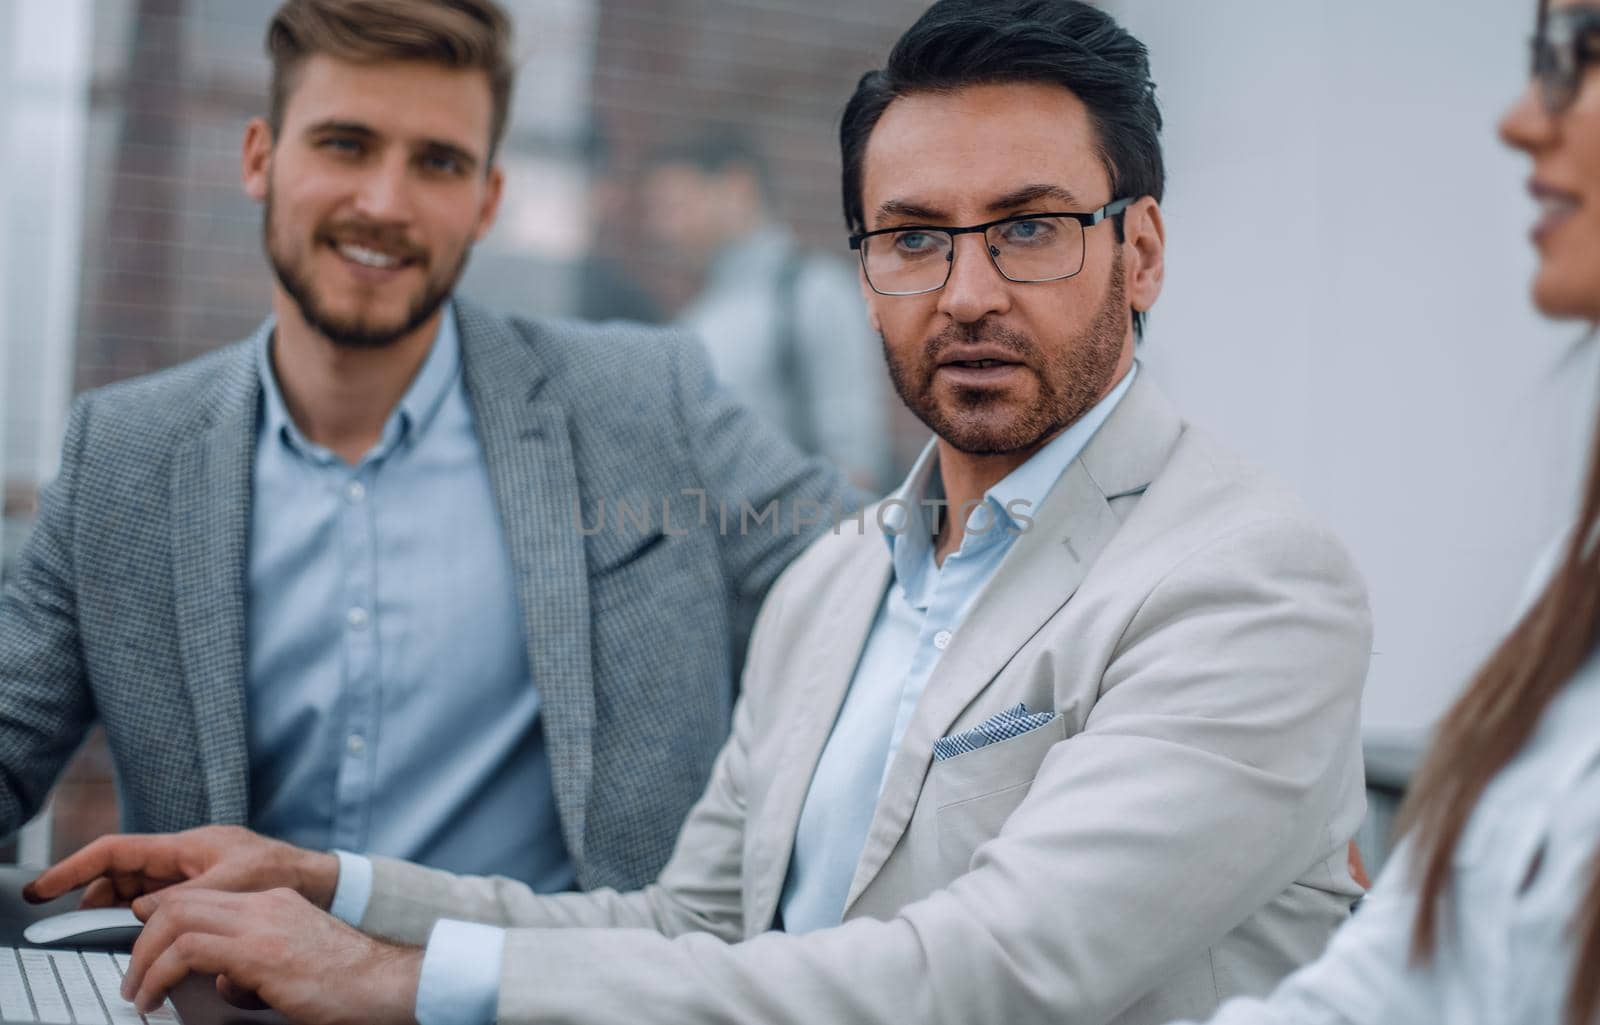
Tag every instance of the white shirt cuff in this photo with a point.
(353, 891)
(460, 983)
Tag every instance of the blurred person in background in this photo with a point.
(1067, 729)
(1488, 913)
(341, 580)
(606, 290)
(786, 329)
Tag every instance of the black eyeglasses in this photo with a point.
(1566, 44)
(915, 259)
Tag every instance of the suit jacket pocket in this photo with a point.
(636, 574)
(976, 792)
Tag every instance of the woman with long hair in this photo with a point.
(1490, 910)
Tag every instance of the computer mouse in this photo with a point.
(98, 927)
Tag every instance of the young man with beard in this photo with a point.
(333, 582)
(1068, 732)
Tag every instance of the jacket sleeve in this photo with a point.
(1199, 790)
(1365, 977)
(699, 889)
(45, 704)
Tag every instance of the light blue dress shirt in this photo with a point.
(925, 605)
(923, 608)
(384, 630)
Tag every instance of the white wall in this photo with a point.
(1347, 300)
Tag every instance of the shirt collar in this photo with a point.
(412, 415)
(908, 528)
(1024, 489)
(439, 372)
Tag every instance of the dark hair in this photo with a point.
(715, 153)
(959, 43)
(465, 34)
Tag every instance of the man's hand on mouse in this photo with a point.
(277, 947)
(127, 868)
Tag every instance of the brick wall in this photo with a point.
(173, 265)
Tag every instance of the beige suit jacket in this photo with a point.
(1175, 836)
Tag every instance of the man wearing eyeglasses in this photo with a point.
(1065, 730)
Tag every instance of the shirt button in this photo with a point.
(356, 617)
(941, 640)
(355, 744)
(355, 492)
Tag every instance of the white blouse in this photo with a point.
(1506, 953)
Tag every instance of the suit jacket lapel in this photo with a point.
(210, 544)
(1037, 577)
(1135, 441)
(528, 448)
(844, 629)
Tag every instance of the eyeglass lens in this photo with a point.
(1561, 53)
(920, 259)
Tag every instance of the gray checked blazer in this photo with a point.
(127, 604)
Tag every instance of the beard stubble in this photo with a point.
(1071, 379)
(353, 332)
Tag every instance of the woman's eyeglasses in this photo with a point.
(1566, 44)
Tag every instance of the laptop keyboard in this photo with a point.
(69, 987)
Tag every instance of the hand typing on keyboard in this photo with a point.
(295, 957)
(192, 890)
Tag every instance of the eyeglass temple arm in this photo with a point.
(1111, 209)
